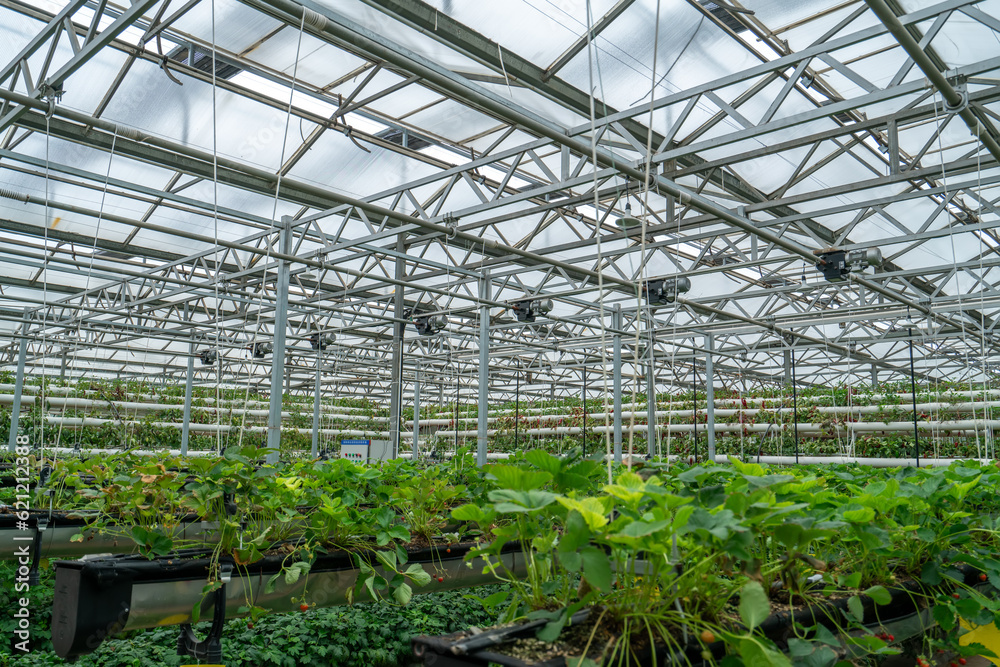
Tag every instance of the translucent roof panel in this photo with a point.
(243, 129)
(537, 30)
(691, 51)
(336, 162)
(423, 45)
(234, 26)
(405, 144)
(319, 63)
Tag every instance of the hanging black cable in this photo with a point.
(456, 409)
(795, 407)
(913, 396)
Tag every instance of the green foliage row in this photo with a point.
(708, 552)
(361, 635)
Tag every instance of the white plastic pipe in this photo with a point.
(803, 460)
(867, 427)
(720, 458)
(164, 399)
(750, 412)
(77, 422)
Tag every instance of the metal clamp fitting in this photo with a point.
(962, 104)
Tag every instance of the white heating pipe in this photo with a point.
(32, 389)
(867, 427)
(720, 458)
(803, 460)
(77, 422)
(751, 412)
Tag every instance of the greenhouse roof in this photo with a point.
(164, 162)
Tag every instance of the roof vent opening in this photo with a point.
(842, 116)
(203, 62)
(726, 17)
(403, 138)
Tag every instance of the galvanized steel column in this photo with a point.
(278, 343)
(15, 408)
(484, 367)
(319, 364)
(650, 405)
(416, 413)
(288, 374)
(710, 395)
(186, 419)
(616, 324)
(395, 386)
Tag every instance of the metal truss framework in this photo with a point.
(737, 181)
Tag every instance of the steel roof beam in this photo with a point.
(980, 126)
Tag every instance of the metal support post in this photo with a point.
(651, 435)
(694, 406)
(316, 383)
(585, 409)
(650, 408)
(616, 324)
(278, 343)
(517, 407)
(188, 390)
(219, 358)
(63, 362)
(874, 377)
(15, 408)
(484, 367)
(787, 365)
(288, 374)
(416, 414)
(710, 396)
(913, 396)
(795, 406)
(396, 386)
